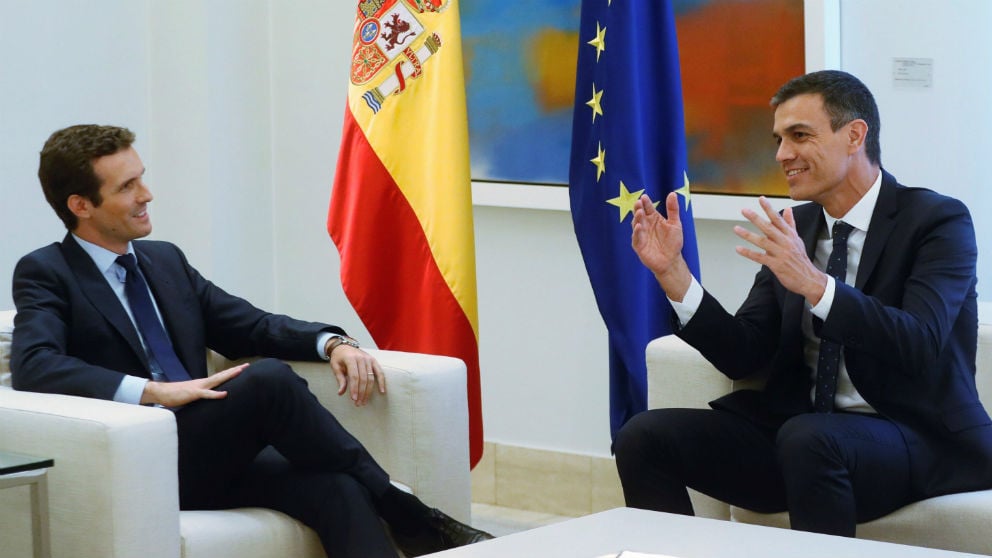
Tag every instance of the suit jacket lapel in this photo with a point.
(882, 222)
(809, 228)
(95, 288)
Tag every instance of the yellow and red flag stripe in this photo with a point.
(401, 207)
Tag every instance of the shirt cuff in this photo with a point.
(822, 308)
(322, 339)
(686, 309)
(130, 390)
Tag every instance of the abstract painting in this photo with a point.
(520, 79)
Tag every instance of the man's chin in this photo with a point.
(798, 193)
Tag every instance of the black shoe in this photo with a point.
(443, 532)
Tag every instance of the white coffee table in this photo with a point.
(609, 532)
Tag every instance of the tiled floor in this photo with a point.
(501, 521)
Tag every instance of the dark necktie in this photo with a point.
(158, 344)
(828, 363)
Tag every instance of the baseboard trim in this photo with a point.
(545, 481)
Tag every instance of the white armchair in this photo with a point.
(113, 492)
(678, 376)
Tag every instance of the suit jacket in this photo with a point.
(908, 328)
(73, 336)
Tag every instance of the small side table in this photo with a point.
(17, 470)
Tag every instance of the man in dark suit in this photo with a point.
(89, 322)
(867, 332)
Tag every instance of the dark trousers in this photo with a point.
(311, 468)
(830, 471)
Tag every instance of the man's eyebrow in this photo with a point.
(793, 128)
(132, 179)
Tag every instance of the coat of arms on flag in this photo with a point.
(390, 41)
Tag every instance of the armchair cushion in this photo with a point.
(247, 533)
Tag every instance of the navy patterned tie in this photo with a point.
(828, 363)
(156, 341)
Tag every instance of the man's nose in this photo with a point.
(784, 152)
(145, 194)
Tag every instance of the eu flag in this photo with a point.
(628, 139)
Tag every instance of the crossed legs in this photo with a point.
(315, 470)
(830, 471)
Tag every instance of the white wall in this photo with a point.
(191, 79)
(938, 137)
(238, 107)
(53, 75)
(211, 137)
(311, 47)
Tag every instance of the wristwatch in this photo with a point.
(338, 340)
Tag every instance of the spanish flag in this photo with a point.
(401, 208)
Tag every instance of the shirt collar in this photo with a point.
(102, 257)
(858, 216)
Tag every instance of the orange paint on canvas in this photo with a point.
(734, 55)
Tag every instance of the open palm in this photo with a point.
(657, 240)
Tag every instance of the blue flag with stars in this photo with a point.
(628, 139)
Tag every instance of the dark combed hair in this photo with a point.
(845, 99)
(66, 166)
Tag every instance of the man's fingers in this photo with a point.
(753, 255)
(774, 218)
(342, 380)
(364, 383)
(789, 218)
(211, 394)
(646, 204)
(751, 237)
(641, 208)
(361, 378)
(357, 373)
(672, 205)
(219, 378)
(372, 374)
(756, 220)
(230, 372)
(380, 376)
(776, 229)
(354, 379)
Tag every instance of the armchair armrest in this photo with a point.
(418, 432)
(678, 376)
(113, 491)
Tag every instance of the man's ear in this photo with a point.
(80, 206)
(856, 135)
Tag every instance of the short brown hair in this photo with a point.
(66, 166)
